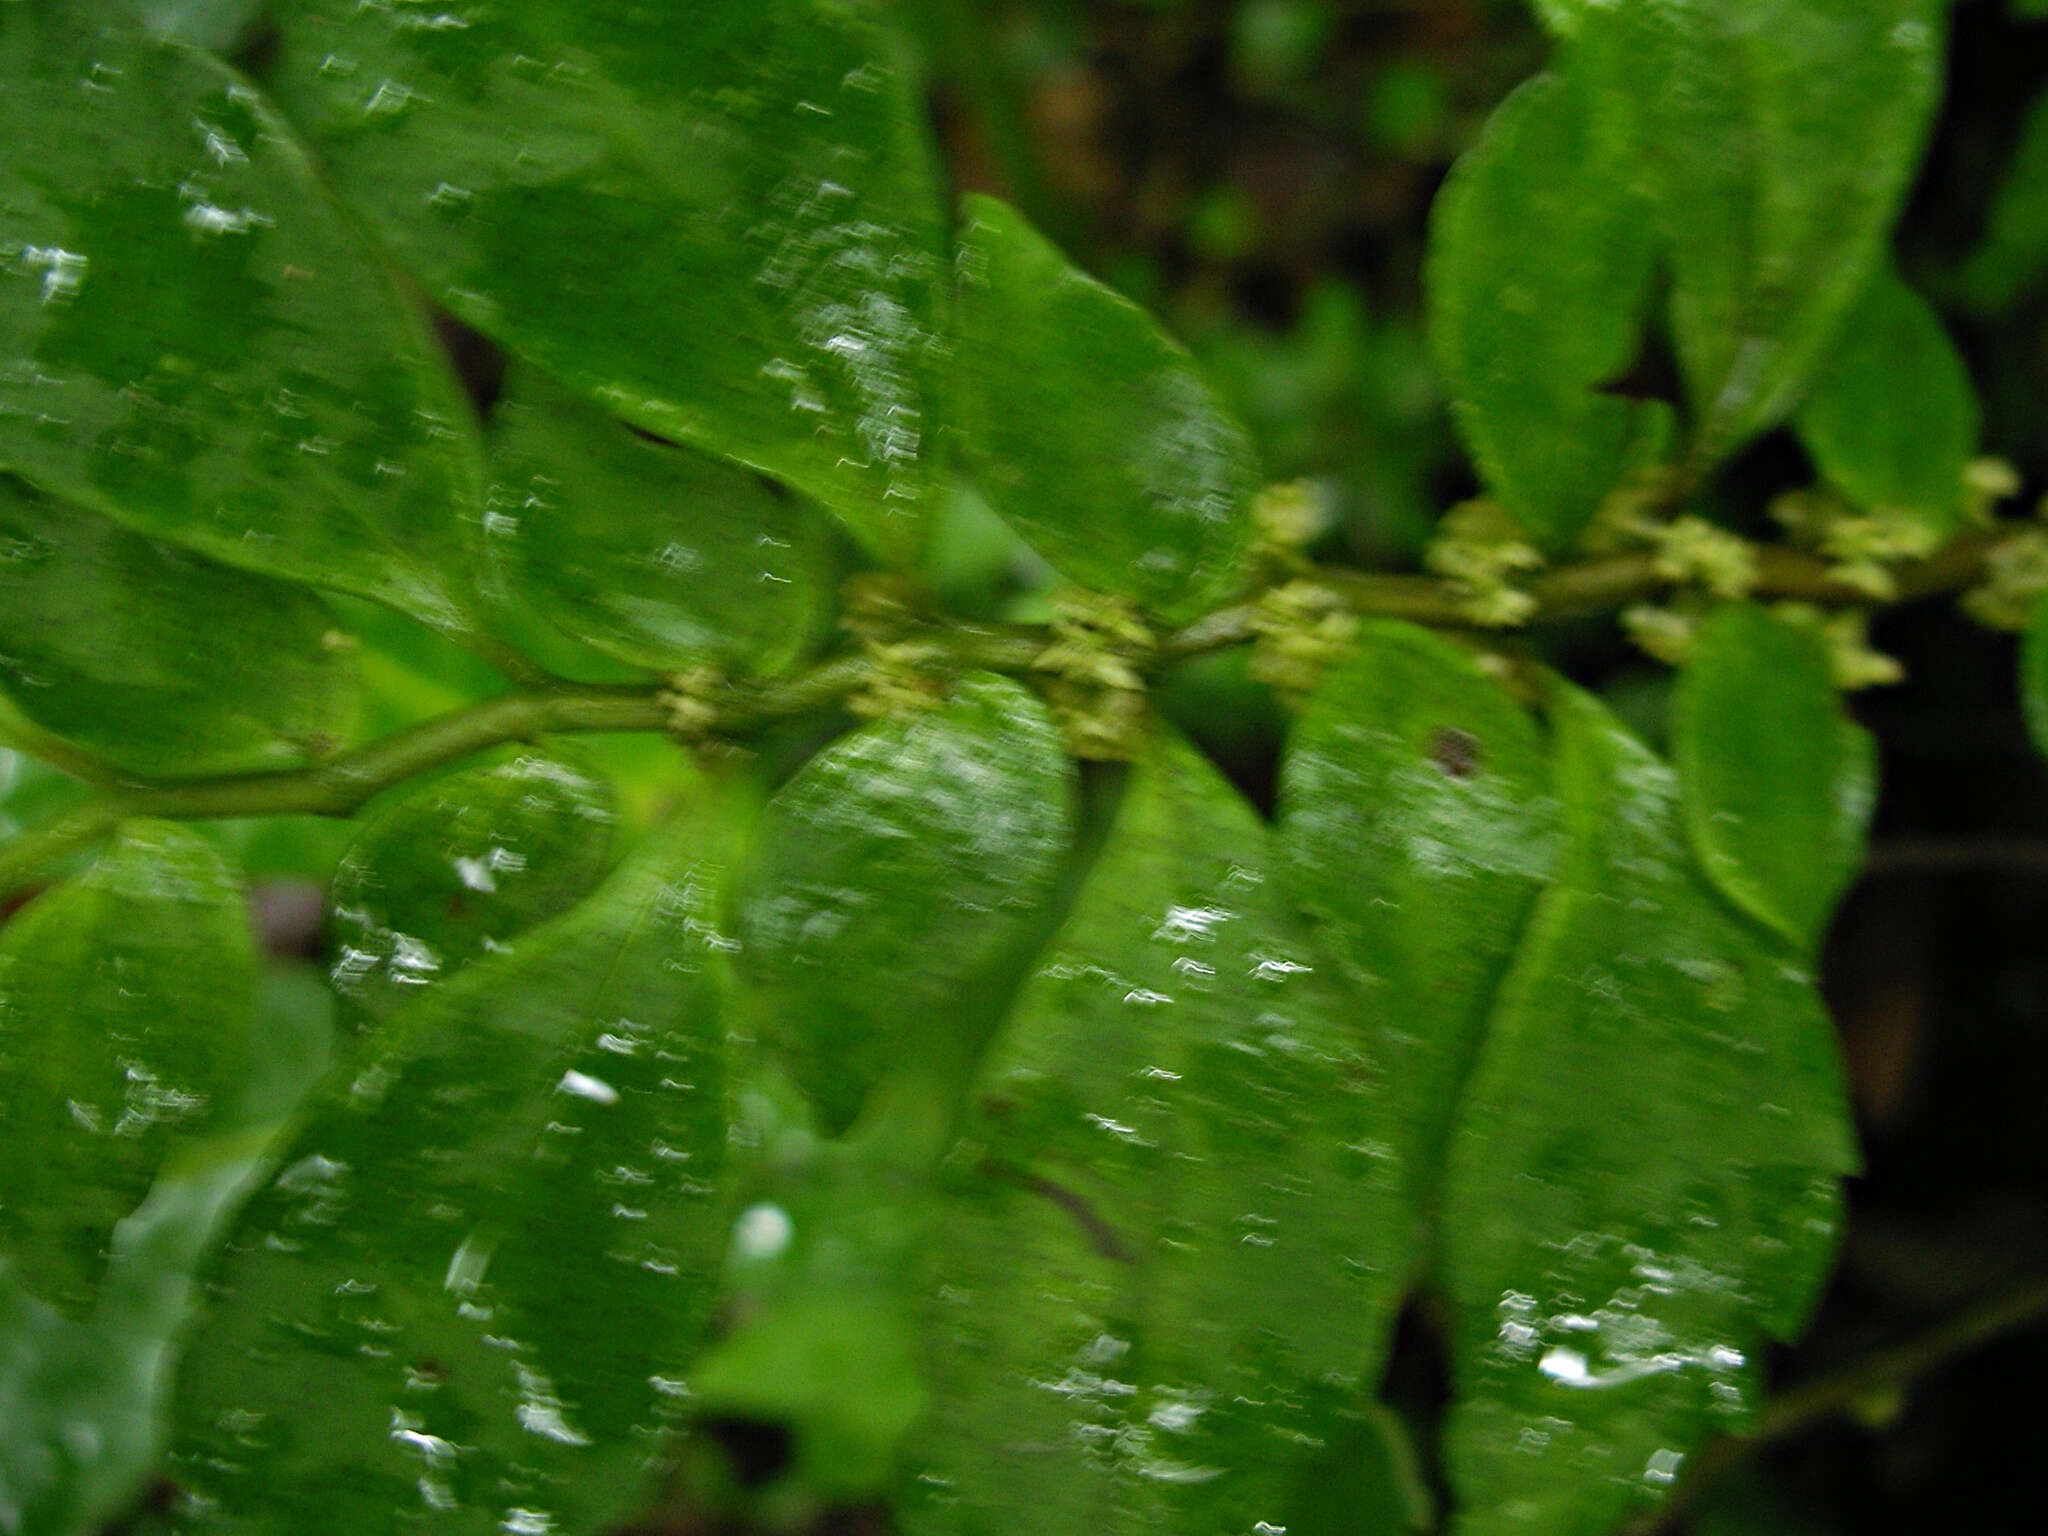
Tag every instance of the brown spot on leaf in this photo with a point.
(1456, 752)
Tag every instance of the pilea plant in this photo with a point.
(783, 974)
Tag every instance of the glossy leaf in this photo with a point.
(215, 25)
(158, 661)
(1540, 255)
(1778, 142)
(457, 870)
(1175, 1242)
(1644, 1185)
(2013, 255)
(1893, 417)
(83, 1399)
(1417, 824)
(195, 341)
(730, 231)
(1778, 782)
(466, 1301)
(660, 556)
(124, 1021)
(1091, 432)
(894, 871)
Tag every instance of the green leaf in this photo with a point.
(155, 660)
(1367, 1480)
(194, 340)
(660, 556)
(1644, 1183)
(1893, 417)
(31, 794)
(215, 25)
(2034, 678)
(1091, 431)
(1778, 141)
(1417, 825)
(458, 870)
(124, 1021)
(1778, 782)
(468, 1299)
(1175, 1243)
(83, 1399)
(2013, 254)
(1562, 17)
(820, 1278)
(895, 871)
(1540, 256)
(730, 231)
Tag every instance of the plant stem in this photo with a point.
(344, 784)
(1817, 1402)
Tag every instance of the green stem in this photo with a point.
(344, 784)
(1819, 1402)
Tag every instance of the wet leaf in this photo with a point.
(1893, 417)
(821, 1278)
(730, 231)
(895, 870)
(124, 1022)
(1174, 1244)
(1525, 341)
(1091, 431)
(1778, 144)
(215, 25)
(1778, 782)
(83, 1398)
(467, 1299)
(156, 660)
(657, 555)
(1417, 825)
(1644, 1184)
(457, 870)
(195, 341)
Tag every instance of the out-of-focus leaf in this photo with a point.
(1778, 783)
(31, 792)
(215, 25)
(727, 227)
(195, 341)
(894, 871)
(124, 1022)
(1644, 1183)
(2013, 254)
(821, 1278)
(1174, 1243)
(156, 660)
(456, 871)
(1893, 416)
(1417, 824)
(468, 1298)
(1366, 1480)
(1091, 431)
(1778, 138)
(1540, 253)
(83, 1400)
(2034, 679)
(661, 556)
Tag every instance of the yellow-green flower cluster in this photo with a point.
(1482, 554)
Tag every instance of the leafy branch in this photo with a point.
(344, 784)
